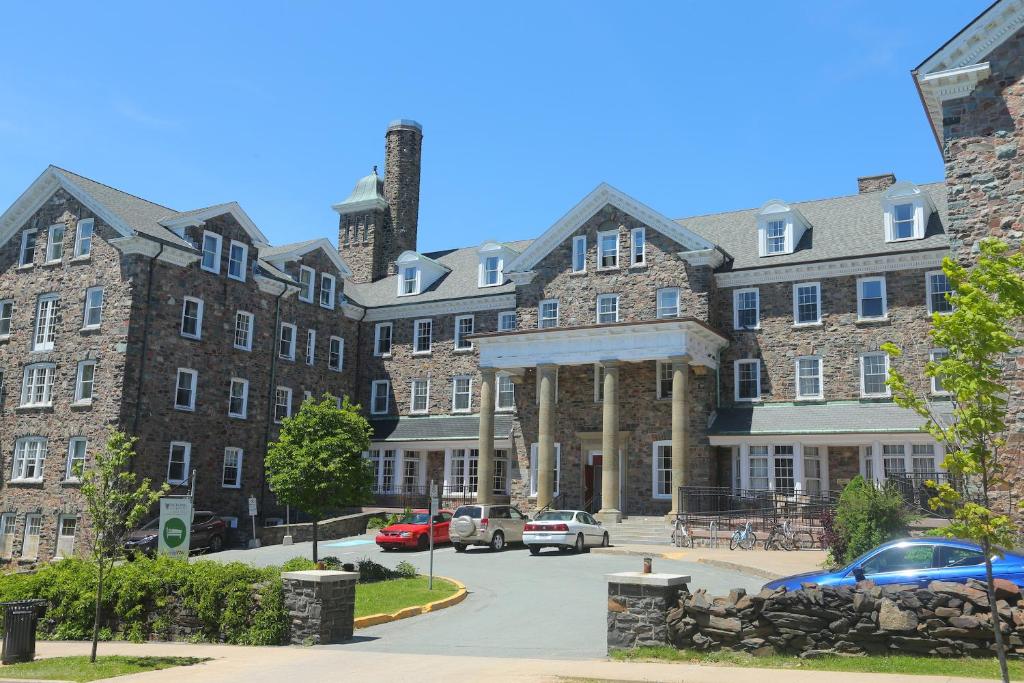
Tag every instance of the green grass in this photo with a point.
(890, 664)
(79, 668)
(384, 597)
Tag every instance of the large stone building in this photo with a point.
(601, 364)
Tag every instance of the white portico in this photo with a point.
(683, 342)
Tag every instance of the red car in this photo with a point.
(412, 531)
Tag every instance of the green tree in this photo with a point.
(116, 503)
(316, 465)
(988, 305)
(868, 516)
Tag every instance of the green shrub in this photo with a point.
(298, 564)
(867, 516)
(405, 570)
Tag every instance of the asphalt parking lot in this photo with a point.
(551, 606)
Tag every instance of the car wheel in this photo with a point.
(216, 544)
(534, 549)
(580, 544)
(384, 548)
(605, 541)
(459, 547)
(422, 543)
(498, 542)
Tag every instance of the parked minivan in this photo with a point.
(493, 525)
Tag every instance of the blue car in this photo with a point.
(914, 561)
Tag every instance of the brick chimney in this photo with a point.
(875, 183)
(403, 145)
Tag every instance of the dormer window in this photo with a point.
(906, 211)
(493, 257)
(779, 228)
(417, 273)
(410, 281)
(903, 222)
(491, 272)
(775, 237)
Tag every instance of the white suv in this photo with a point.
(493, 525)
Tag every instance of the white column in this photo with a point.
(396, 484)
(798, 468)
(745, 466)
(824, 455)
(876, 461)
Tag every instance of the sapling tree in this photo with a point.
(115, 502)
(316, 464)
(977, 334)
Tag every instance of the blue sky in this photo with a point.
(690, 107)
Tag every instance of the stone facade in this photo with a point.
(321, 606)
(638, 608)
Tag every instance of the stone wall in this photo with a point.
(336, 527)
(321, 606)
(638, 608)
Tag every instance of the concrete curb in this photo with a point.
(743, 568)
(686, 556)
(416, 610)
(665, 555)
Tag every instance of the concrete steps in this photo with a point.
(641, 531)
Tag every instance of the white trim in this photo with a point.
(515, 321)
(192, 389)
(70, 462)
(822, 439)
(934, 380)
(654, 471)
(9, 317)
(657, 302)
(442, 307)
(658, 365)
(38, 459)
(243, 272)
(278, 256)
(888, 389)
(199, 318)
(736, 308)
(457, 335)
(341, 353)
(331, 291)
(45, 325)
(468, 392)
(498, 377)
(310, 287)
(482, 270)
(245, 397)
(44, 381)
(736, 379)
(821, 270)
(375, 394)
(403, 270)
(86, 325)
(249, 334)
(186, 461)
(217, 252)
(534, 457)
(860, 298)
(928, 291)
(633, 260)
(416, 337)
(80, 398)
(81, 225)
(287, 392)
(821, 378)
(796, 307)
(601, 297)
(22, 263)
(540, 309)
(794, 225)
(65, 546)
(412, 396)
(618, 251)
(579, 246)
(234, 450)
(199, 218)
(376, 339)
(310, 346)
(50, 242)
(290, 355)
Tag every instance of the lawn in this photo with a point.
(79, 668)
(385, 597)
(889, 664)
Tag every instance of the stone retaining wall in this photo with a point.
(336, 527)
(321, 606)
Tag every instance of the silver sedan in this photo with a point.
(564, 529)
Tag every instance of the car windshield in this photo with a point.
(415, 518)
(468, 511)
(555, 516)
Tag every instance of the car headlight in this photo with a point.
(405, 534)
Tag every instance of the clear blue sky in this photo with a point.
(526, 106)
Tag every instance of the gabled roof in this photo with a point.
(199, 216)
(601, 196)
(295, 250)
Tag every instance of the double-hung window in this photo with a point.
(327, 283)
(419, 396)
(638, 247)
(938, 288)
(307, 276)
(382, 339)
(238, 261)
(462, 391)
(903, 222)
(282, 404)
(238, 398)
(936, 356)
(608, 308)
(579, 254)
(67, 529)
(310, 347)
(178, 461)
(748, 379)
(286, 341)
(668, 302)
(76, 458)
(759, 468)
(808, 377)
(535, 458)
(93, 314)
(46, 322)
(28, 247)
(243, 330)
(871, 303)
(662, 470)
(37, 387)
(410, 281)
(185, 389)
(422, 333)
(608, 246)
(506, 321)
(547, 313)
(211, 252)
(746, 309)
(83, 238)
(336, 354)
(491, 274)
(874, 370)
(29, 455)
(6, 313)
(463, 328)
(775, 237)
(192, 318)
(231, 473)
(380, 397)
(55, 243)
(85, 381)
(664, 389)
(506, 393)
(807, 303)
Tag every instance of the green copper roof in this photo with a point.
(367, 195)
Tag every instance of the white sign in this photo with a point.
(175, 527)
(433, 490)
(252, 506)
(434, 505)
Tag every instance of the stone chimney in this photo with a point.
(404, 142)
(875, 183)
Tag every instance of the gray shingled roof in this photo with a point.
(270, 252)
(461, 282)
(835, 417)
(841, 227)
(437, 428)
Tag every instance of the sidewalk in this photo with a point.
(768, 564)
(311, 665)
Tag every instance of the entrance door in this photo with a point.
(592, 482)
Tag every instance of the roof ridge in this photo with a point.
(117, 189)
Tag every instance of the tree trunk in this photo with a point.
(996, 621)
(96, 616)
(314, 540)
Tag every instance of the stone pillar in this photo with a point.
(546, 436)
(680, 436)
(485, 456)
(321, 606)
(610, 512)
(638, 607)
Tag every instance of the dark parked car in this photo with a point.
(208, 533)
(915, 561)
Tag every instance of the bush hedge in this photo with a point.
(867, 516)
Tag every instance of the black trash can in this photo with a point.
(20, 619)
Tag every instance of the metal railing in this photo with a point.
(418, 496)
(726, 508)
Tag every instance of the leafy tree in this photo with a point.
(988, 305)
(868, 516)
(316, 465)
(116, 503)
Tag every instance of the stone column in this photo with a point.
(638, 607)
(485, 454)
(610, 512)
(321, 606)
(680, 435)
(546, 436)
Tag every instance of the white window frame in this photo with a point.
(768, 237)
(607, 297)
(600, 249)
(540, 313)
(307, 288)
(20, 460)
(82, 239)
(821, 379)
(186, 448)
(929, 293)
(656, 471)
(310, 347)
(658, 367)
(425, 382)
(376, 339)
(287, 393)
(6, 316)
(244, 265)
(199, 317)
(331, 365)
(484, 271)
(917, 213)
(736, 379)
(860, 298)
(872, 458)
(416, 336)
(659, 308)
(250, 325)
(736, 308)
(8, 521)
(235, 452)
(458, 332)
(217, 252)
(49, 371)
(69, 465)
(86, 309)
(65, 546)
(194, 384)
(933, 381)
(80, 398)
(331, 291)
(289, 352)
(51, 243)
(244, 383)
(468, 393)
(30, 549)
(499, 378)
(376, 387)
(25, 235)
(534, 457)
(579, 248)
(503, 317)
(888, 389)
(403, 280)
(634, 258)
(816, 286)
(46, 325)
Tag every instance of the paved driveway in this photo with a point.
(552, 606)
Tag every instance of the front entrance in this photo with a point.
(592, 482)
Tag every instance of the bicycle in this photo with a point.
(681, 537)
(778, 537)
(743, 537)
